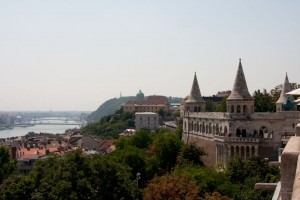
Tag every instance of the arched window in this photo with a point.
(232, 109)
(263, 132)
(244, 134)
(238, 132)
(255, 133)
(199, 109)
(245, 109)
(225, 130)
(238, 109)
(210, 128)
(217, 130)
(195, 109)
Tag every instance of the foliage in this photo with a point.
(110, 126)
(74, 177)
(109, 107)
(171, 187)
(222, 106)
(189, 153)
(246, 173)
(7, 165)
(215, 196)
(165, 149)
(263, 101)
(209, 180)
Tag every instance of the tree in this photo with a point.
(74, 176)
(222, 106)
(165, 149)
(263, 101)
(171, 187)
(191, 154)
(208, 180)
(7, 165)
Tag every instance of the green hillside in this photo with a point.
(109, 107)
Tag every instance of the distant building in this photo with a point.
(146, 120)
(149, 104)
(239, 132)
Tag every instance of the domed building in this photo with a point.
(140, 95)
(239, 132)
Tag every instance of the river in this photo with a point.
(60, 126)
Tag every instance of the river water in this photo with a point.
(60, 127)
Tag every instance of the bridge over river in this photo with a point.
(51, 121)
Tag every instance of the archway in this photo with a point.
(238, 132)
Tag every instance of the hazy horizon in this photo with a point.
(73, 55)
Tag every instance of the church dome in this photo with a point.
(140, 95)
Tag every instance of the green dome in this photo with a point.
(140, 95)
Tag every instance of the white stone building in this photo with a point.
(146, 120)
(240, 131)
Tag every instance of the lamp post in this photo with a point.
(138, 177)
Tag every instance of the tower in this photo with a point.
(283, 99)
(195, 102)
(240, 101)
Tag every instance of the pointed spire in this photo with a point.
(285, 89)
(240, 89)
(195, 94)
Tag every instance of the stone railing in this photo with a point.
(236, 139)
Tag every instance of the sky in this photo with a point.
(73, 55)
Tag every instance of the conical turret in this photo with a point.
(240, 89)
(283, 96)
(195, 94)
(195, 102)
(240, 100)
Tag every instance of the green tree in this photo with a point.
(191, 154)
(263, 101)
(7, 165)
(74, 176)
(222, 106)
(165, 149)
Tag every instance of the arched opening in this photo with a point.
(255, 133)
(237, 151)
(245, 109)
(238, 109)
(197, 127)
(195, 109)
(238, 132)
(242, 152)
(199, 109)
(253, 151)
(244, 134)
(213, 130)
(232, 151)
(217, 129)
(210, 128)
(247, 152)
(232, 109)
(203, 127)
(200, 128)
(206, 129)
(263, 132)
(225, 130)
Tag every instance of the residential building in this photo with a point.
(146, 120)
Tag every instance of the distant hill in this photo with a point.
(109, 107)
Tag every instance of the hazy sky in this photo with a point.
(75, 54)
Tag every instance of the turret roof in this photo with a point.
(285, 89)
(240, 89)
(195, 94)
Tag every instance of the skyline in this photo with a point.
(74, 55)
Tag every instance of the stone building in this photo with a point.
(240, 131)
(146, 120)
(149, 104)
